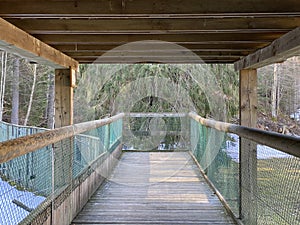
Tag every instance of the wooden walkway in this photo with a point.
(154, 188)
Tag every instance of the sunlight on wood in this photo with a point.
(183, 198)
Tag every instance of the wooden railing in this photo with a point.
(17, 147)
(14, 148)
(57, 151)
(287, 144)
(248, 176)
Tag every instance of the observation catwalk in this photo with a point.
(154, 188)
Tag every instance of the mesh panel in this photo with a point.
(10, 131)
(28, 182)
(218, 154)
(87, 147)
(278, 180)
(25, 183)
(270, 185)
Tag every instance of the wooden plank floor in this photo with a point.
(154, 188)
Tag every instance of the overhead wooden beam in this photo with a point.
(156, 25)
(15, 40)
(157, 52)
(247, 46)
(90, 8)
(132, 60)
(212, 37)
(279, 50)
(226, 52)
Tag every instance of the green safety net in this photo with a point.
(27, 182)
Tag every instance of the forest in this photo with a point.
(27, 92)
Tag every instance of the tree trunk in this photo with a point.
(274, 100)
(15, 92)
(3, 81)
(50, 102)
(31, 95)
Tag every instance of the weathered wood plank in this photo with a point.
(149, 46)
(63, 97)
(89, 8)
(155, 25)
(175, 38)
(133, 195)
(21, 43)
(248, 149)
(279, 50)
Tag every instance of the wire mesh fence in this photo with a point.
(278, 187)
(34, 179)
(10, 131)
(217, 153)
(25, 182)
(272, 178)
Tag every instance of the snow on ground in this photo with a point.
(296, 115)
(10, 213)
(263, 152)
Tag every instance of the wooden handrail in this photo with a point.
(20, 146)
(284, 143)
(155, 115)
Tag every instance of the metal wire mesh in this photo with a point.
(218, 160)
(271, 180)
(10, 131)
(116, 130)
(278, 187)
(33, 179)
(25, 183)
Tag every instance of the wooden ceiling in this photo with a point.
(220, 31)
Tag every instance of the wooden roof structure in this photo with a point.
(68, 32)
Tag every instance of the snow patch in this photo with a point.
(10, 213)
(263, 152)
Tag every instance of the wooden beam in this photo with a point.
(158, 53)
(222, 37)
(15, 40)
(157, 59)
(279, 50)
(90, 8)
(143, 52)
(248, 148)
(156, 25)
(250, 47)
(161, 60)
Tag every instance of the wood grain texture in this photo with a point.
(23, 44)
(90, 8)
(154, 188)
(248, 149)
(279, 50)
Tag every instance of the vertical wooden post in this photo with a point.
(63, 151)
(248, 150)
(64, 79)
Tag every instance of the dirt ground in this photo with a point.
(283, 124)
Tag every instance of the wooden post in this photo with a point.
(63, 150)
(248, 150)
(64, 79)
